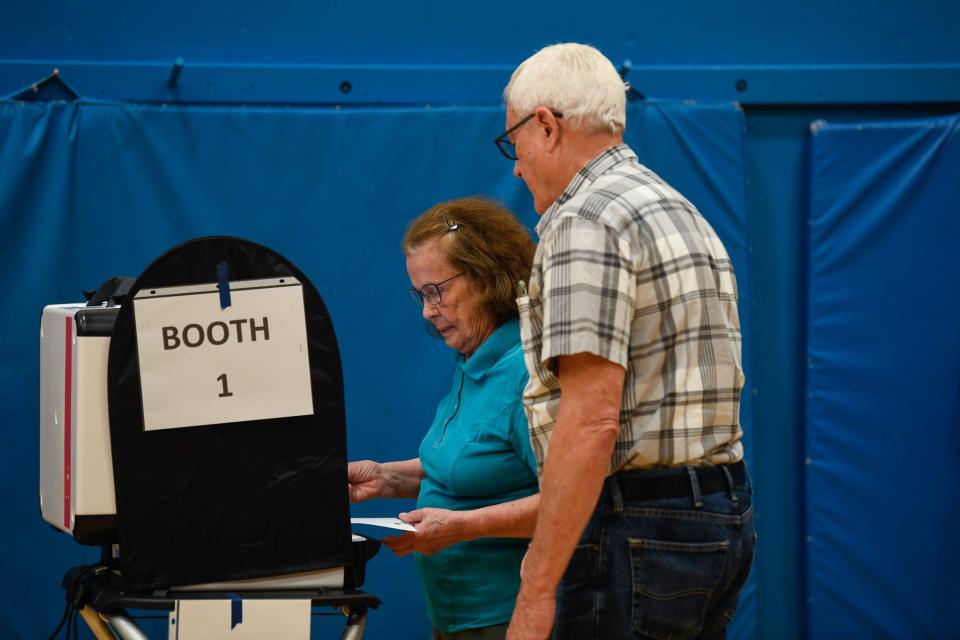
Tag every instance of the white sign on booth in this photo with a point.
(203, 365)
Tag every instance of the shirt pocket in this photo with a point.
(531, 333)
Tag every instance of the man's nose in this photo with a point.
(429, 310)
(516, 169)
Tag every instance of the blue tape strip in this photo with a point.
(223, 283)
(236, 610)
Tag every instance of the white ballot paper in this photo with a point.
(389, 523)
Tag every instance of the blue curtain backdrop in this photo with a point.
(883, 384)
(89, 190)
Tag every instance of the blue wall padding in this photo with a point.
(883, 386)
(91, 190)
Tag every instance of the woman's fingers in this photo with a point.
(400, 545)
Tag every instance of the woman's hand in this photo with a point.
(366, 479)
(436, 529)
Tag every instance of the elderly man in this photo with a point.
(632, 339)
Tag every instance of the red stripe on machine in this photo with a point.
(67, 419)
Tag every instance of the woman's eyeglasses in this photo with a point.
(430, 293)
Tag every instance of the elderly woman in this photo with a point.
(475, 479)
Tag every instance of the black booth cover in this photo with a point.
(237, 500)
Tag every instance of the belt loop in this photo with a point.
(730, 486)
(615, 496)
(695, 486)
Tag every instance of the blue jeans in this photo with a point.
(664, 568)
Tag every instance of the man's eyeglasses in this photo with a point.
(430, 293)
(506, 145)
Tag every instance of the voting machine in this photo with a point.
(194, 427)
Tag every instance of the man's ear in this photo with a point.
(549, 125)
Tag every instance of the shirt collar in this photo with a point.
(601, 163)
(487, 354)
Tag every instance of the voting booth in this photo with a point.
(194, 426)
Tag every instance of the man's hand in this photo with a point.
(366, 479)
(532, 616)
(436, 529)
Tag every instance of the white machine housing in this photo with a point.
(76, 468)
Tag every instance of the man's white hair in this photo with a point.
(575, 80)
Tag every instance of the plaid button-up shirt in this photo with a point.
(628, 270)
